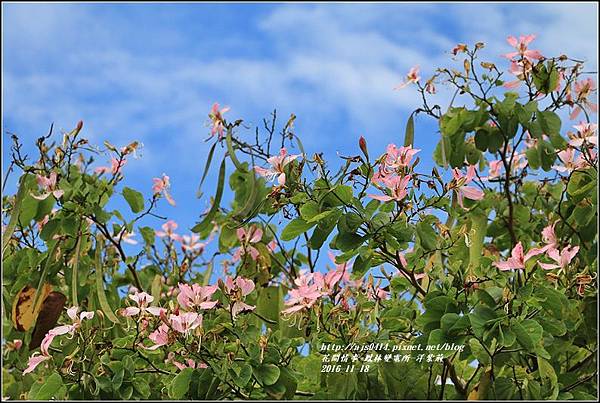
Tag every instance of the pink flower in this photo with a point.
(48, 185)
(236, 290)
(494, 171)
(521, 46)
(186, 322)
(115, 167)
(161, 185)
(586, 134)
(549, 237)
(168, 230)
(14, 345)
(191, 243)
(563, 258)
(196, 296)
(160, 337)
(247, 238)
(399, 157)
(143, 300)
(216, 117)
(570, 163)
(303, 297)
(518, 259)
(520, 69)
(466, 191)
(64, 329)
(397, 187)
(271, 246)
(411, 77)
(583, 91)
(34, 361)
(278, 163)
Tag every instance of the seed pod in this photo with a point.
(49, 313)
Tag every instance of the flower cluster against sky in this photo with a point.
(151, 72)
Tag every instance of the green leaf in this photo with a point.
(135, 199)
(206, 222)
(528, 333)
(426, 235)
(49, 388)
(549, 122)
(180, 384)
(148, 235)
(295, 228)
(266, 374)
(409, 135)
(244, 375)
(270, 303)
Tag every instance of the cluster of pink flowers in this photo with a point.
(277, 168)
(393, 172)
(189, 243)
(312, 286)
(37, 359)
(562, 258)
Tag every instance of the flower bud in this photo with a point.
(362, 143)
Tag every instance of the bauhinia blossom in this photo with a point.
(563, 258)
(569, 162)
(236, 290)
(586, 134)
(191, 243)
(185, 322)
(247, 238)
(494, 171)
(583, 92)
(396, 186)
(161, 186)
(521, 46)
(196, 296)
(216, 117)
(35, 359)
(517, 259)
(462, 190)
(278, 164)
(168, 230)
(49, 187)
(304, 296)
(160, 337)
(549, 237)
(399, 157)
(411, 77)
(143, 300)
(520, 69)
(114, 168)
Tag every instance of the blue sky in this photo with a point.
(150, 72)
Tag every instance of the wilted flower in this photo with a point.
(411, 77)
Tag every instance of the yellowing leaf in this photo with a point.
(24, 313)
